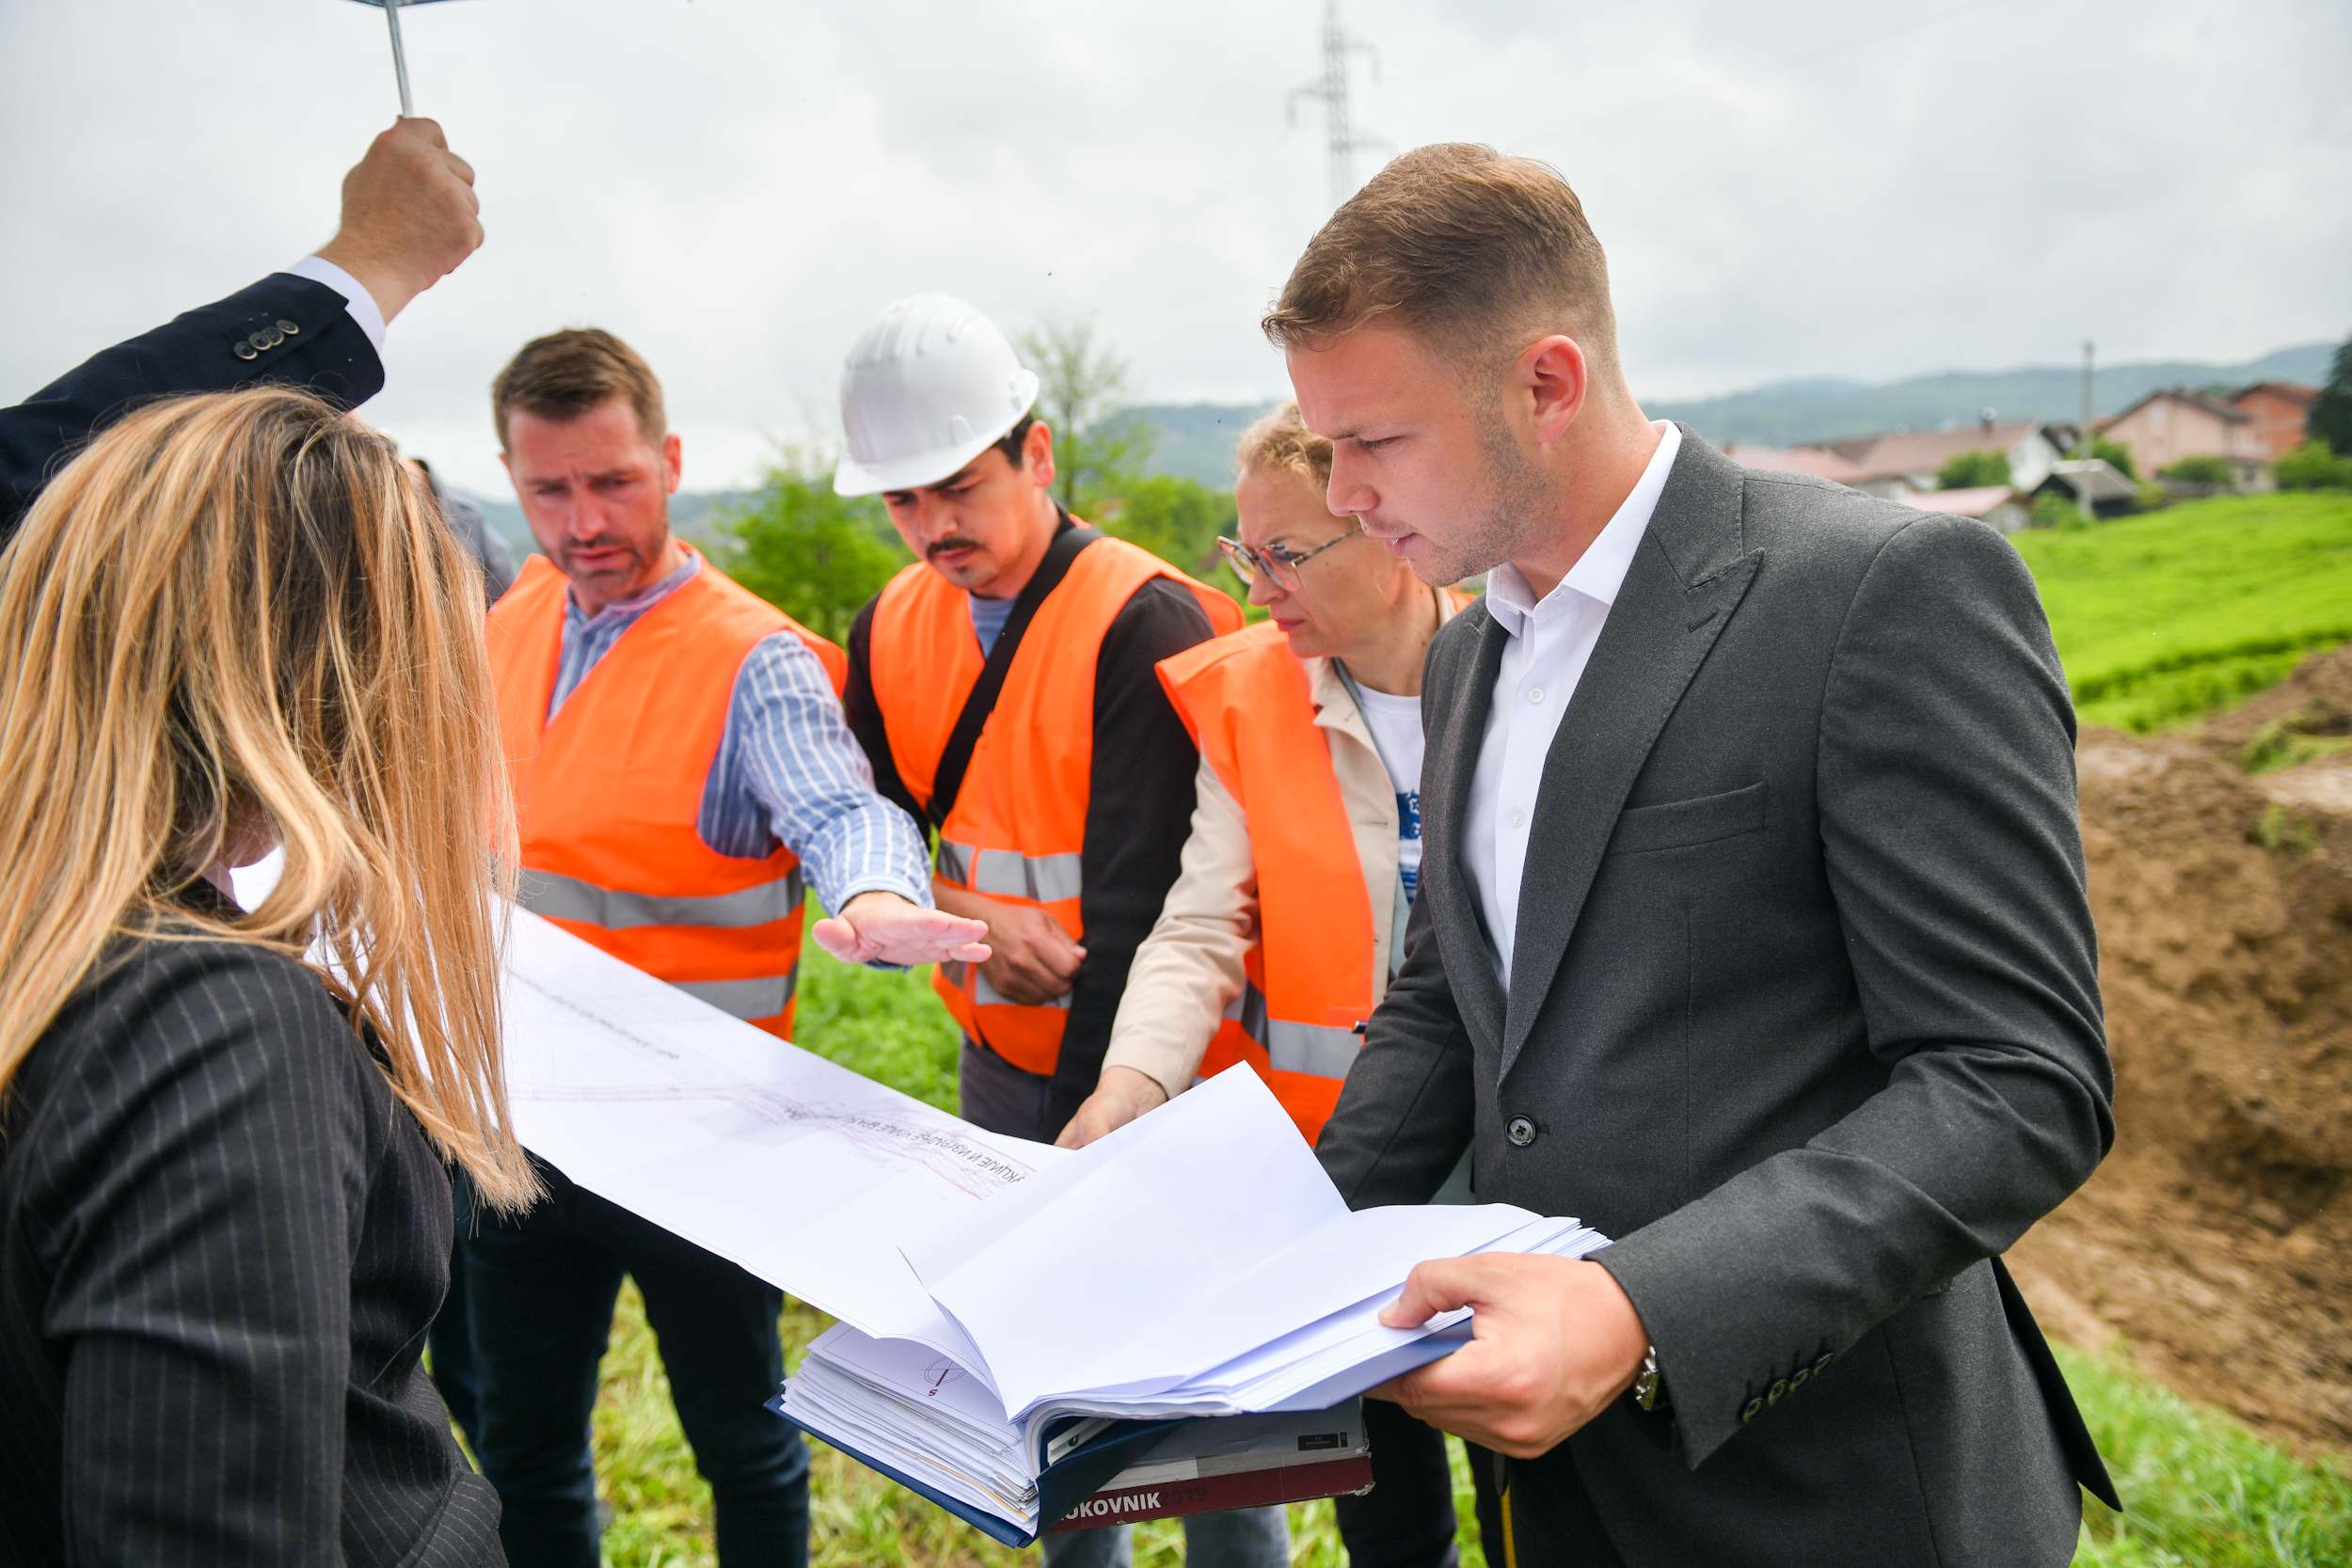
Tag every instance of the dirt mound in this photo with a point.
(2216, 1239)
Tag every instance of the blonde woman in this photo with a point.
(235, 621)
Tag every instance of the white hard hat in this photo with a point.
(929, 387)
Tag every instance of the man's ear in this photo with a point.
(672, 462)
(1552, 376)
(1037, 454)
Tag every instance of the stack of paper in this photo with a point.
(1020, 1326)
(1194, 1263)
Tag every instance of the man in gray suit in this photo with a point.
(1753, 932)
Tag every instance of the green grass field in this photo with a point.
(2164, 617)
(2159, 619)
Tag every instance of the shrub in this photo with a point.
(1968, 470)
(2055, 508)
(2313, 466)
(2115, 455)
(2199, 468)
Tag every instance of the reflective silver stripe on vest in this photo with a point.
(987, 995)
(1043, 877)
(569, 898)
(1311, 1048)
(745, 999)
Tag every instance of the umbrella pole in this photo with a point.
(400, 59)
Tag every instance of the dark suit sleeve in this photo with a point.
(1945, 781)
(198, 1210)
(329, 353)
(1407, 1111)
(1138, 815)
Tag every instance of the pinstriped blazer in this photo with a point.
(221, 1241)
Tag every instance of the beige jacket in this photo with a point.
(1189, 970)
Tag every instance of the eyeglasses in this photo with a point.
(1278, 562)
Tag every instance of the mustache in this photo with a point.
(953, 541)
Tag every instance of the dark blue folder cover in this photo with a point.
(1061, 1488)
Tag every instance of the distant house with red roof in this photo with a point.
(1997, 504)
(2280, 410)
(2166, 426)
(1817, 461)
(1904, 463)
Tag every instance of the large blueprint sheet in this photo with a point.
(804, 1173)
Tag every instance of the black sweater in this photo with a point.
(221, 1241)
(1139, 806)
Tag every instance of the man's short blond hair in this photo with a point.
(1477, 251)
(1281, 443)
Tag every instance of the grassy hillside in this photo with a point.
(2165, 617)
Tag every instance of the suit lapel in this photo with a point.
(1685, 581)
(1460, 729)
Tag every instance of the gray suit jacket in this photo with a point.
(1804, 1011)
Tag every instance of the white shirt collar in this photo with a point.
(1599, 572)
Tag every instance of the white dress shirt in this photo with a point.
(1551, 641)
(357, 300)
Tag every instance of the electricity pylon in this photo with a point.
(1330, 90)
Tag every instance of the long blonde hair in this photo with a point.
(236, 615)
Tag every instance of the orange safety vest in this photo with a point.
(1309, 974)
(607, 795)
(1018, 827)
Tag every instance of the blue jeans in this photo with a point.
(539, 1295)
(1237, 1538)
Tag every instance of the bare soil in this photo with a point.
(2216, 1239)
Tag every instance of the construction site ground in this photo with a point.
(2214, 1247)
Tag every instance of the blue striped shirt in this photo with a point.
(787, 770)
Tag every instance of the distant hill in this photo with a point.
(693, 514)
(1793, 412)
(1195, 439)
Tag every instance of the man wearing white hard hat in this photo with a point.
(1004, 689)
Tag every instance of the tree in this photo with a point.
(2330, 418)
(2314, 467)
(1178, 520)
(1101, 445)
(1968, 470)
(813, 554)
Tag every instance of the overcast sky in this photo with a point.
(1814, 187)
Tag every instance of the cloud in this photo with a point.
(736, 186)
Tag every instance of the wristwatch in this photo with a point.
(1647, 1385)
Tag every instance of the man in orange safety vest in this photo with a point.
(1003, 686)
(681, 770)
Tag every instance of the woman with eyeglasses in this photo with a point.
(238, 622)
(1287, 921)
